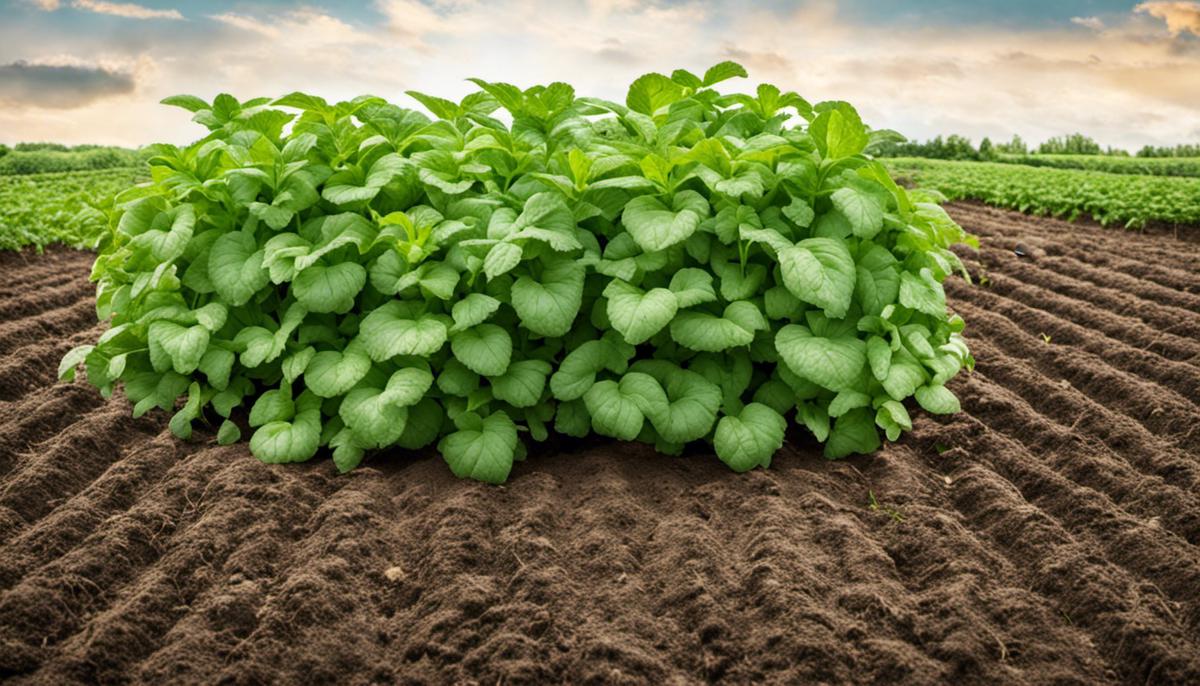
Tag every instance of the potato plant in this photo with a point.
(686, 266)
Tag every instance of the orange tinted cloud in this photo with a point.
(1180, 16)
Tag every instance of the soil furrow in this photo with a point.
(1183, 379)
(37, 417)
(48, 325)
(125, 482)
(1090, 463)
(49, 475)
(1153, 437)
(1131, 329)
(35, 366)
(1008, 498)
(989, 221)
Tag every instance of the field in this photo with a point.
(1047, 534)
(1152, 166)
(40, 209)
(1122, 199)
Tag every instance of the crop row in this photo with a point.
(40, 209)
(1152, 166)
(1133, 201)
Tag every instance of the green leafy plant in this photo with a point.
(686, 266)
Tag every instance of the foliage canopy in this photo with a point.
(685, 266)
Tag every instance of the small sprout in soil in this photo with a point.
(874, 506)
(1046, 338)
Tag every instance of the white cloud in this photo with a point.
(301, 29)
(1180, 16)
(128, 10)
(1093, 23)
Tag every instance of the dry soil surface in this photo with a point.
(1050, 533)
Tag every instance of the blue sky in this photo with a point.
(1126, 72)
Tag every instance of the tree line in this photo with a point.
(956, 147)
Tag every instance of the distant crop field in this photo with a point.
(1152, 166)
(1133, 201)
(40, 209)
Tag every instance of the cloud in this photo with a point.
(1093, 23)
(64, 86)
(1180, 16)
(302, 28)
(128, 10)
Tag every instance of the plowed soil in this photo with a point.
(1050, 533)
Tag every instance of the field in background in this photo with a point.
(40, 209)
(1133, 201)
(1151, 166)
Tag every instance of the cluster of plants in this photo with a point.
(40, 209)
(1126, 199)
(1149, 166)
(48, 158)
(686, 266)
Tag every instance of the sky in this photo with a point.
(1126, 73)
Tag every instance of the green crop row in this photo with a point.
(39, 209)
(1129, 200)
(1150, 166)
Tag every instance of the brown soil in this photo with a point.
(1048, 534)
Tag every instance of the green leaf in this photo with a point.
(235, 265)
(229, 433)
(390, 330)
(705, 332)
(638, 314)
(692, 286)
(923, 293)
(654, 226)
(852, 433)
(834, 363)
(484, 349)
(723, 71)
(878, 281)
(749, 439)
(691, 410)
(651, 92)
(348, 188)
(474, 309)
(577, 372)
(547, 306)
(329, 289)
(862, 209)
(822, 272)
(177, 347)
(619, 409)
(482, 449)
(332, 373)
(937, 400)
(838, 131)
(377, 416)
(295, 441)
(501, 259)
(522, 384)
(73, 358)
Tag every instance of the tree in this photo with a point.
(986, 151)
